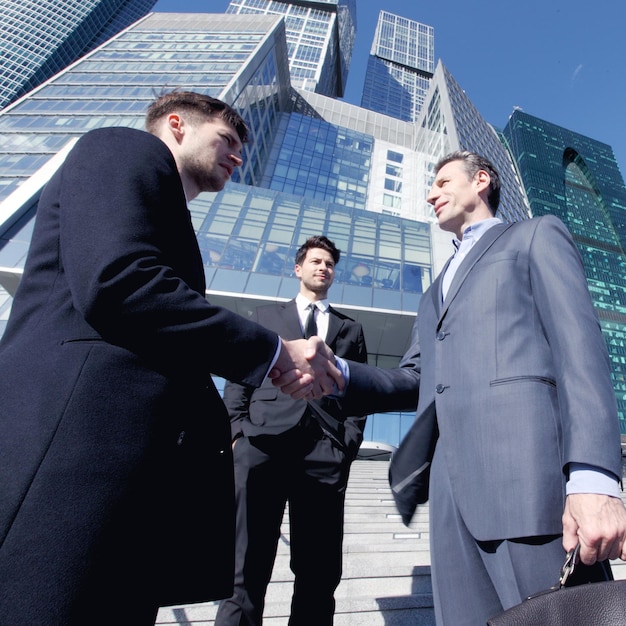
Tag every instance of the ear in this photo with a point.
(483, 180)
(176, 126)
(298, 270)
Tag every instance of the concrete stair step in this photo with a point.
(412, 609)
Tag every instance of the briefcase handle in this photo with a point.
(598, 572)
(568, 567)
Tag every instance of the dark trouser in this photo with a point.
(310, 474)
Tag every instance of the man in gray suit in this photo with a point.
(516, 438)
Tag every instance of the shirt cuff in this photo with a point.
(585, 478)
(276, 355)
(344, 368)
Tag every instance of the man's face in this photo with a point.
(454, 197)
(317, 272)
(209, 154)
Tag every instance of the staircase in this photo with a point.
(386, 567)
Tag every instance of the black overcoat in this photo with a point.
(115, 459)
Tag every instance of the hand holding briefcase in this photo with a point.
(588, 604)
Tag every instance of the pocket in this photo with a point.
(498, 257)
(545, 380)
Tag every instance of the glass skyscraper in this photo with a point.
(399, 68)
(449, 121)
(39, 38)
(577, 179)
(320, 38)
(220, 55)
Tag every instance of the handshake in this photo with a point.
(305, 369)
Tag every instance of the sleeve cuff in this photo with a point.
(276, 355)
(344, 368)
(590, 479)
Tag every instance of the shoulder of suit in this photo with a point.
(122, 132)
(535, 222)
(340, 315)
(128, 138)
(273, 307)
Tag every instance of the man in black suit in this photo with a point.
(293, 451)
(116, 476)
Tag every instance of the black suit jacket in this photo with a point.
(268, 411)
(114, 443)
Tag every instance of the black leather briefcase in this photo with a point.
(589, 604)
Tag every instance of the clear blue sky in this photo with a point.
(561, 60)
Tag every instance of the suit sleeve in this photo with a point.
(585, 391)
(377, 390)
(354, 425)
(131, 258)
(237, 400)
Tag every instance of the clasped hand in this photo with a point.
(306, 369)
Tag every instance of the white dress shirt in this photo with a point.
(322, 317)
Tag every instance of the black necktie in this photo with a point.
(310, 328)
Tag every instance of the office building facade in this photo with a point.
(399, 68)
(320, 39)
(577, 179)
(39, 38)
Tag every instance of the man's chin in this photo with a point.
(215, 186)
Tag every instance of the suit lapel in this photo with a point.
(473, 256)
(435, 288)
(290, 325)
(334, 326)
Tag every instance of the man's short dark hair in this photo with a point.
(317, 241)
(198, 107)
(473, 163)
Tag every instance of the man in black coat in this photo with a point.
(116, 479)
(294, 451)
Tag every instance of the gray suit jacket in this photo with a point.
(514, 383)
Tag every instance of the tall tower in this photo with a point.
(577, 179)
(399, 68)
(112, 86)
(320, 39)
(247, 233)
(450, 122)
(39, 38)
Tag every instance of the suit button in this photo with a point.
(440, 388)
(181, 437)
(441, 335)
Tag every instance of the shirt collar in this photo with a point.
(476, 230)
(302, 303)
